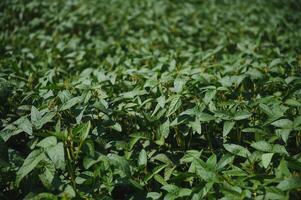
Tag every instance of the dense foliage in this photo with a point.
(150, 99)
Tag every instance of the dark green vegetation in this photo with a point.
(153, 99)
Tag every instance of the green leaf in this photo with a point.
(168, 172)
(237, 150)
(190, 155)
(38, 119)
(40, 196)
(224, 161)
(266, 159)
(283, 133)
(207, 173)
(153, 195)
(163, 130)
(205, 117)
(179, 83)
(46, 118)
(9, 131)
(57, 155)
(211, 162)
(82, 130)
(282, 169)
(70, 103)
(29, 164)
(35, 115)
(174, 105)
(47, 142)
(210, 94)
(116, 127)
(277, 148)
(293, 102)
(80, 116)
(283, 123)
(155, 171)
(163, 158)
(69, 192)
(196, 126)
(183, 192)
(132, 94)
(242, 115)
(170, 188)
(203, 192)
(290, 183)
(121, 165)
(297, 121)
(262, 146)
(275, 62)
(266, 109)
(48, 175)
(142, 160)
(236, 171)
(176, 191)
(24, 125)
(161, 101)
(228, 125)
(160, 179)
